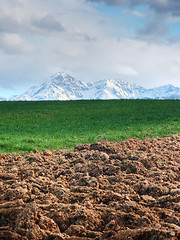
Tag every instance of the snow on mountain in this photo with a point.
(162, 92)
(62, 86)
(112, 89)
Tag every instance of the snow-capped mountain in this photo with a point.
(62, 86)
(164, 92)
(112, 89)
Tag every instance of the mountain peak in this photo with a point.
(60, 78)
(59, 74)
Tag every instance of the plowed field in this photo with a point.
(127, 190)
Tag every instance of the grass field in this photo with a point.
(64, 124)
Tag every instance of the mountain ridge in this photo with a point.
(62, 86)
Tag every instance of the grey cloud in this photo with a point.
(112, 2)
(48, 23)
(89, 38)
(9, 25)
(155, 28)
(12, 3)
(161, 12)
(13, 44)
(86, 37)
(168, 6)
(174, 40)
(121, 2)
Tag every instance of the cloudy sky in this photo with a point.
(135, 40)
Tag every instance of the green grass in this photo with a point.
(64, 124)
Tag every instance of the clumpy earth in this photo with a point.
(127, 190)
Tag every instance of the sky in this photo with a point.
(134, 40)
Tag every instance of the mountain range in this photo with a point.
(62, 86)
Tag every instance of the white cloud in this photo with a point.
(125, 70)
(12, 43)
(134, 12)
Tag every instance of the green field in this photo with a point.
(52, 125)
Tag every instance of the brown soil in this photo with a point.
(128, 190)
